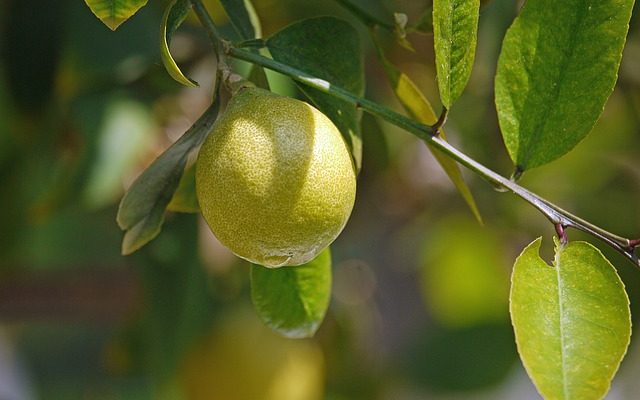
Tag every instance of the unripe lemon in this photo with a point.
(274, 179)
(241, 359)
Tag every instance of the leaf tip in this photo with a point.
(301, 332)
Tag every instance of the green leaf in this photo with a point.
(455, 31)
(174, 15)
(419, 108)
(328, 48)
(558, 65)
(243, 17)
(571, 320)
(293, 300)
(141, 211)
(184, 199)
(114, 12)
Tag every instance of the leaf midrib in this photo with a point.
(565, 388)
(450, 48)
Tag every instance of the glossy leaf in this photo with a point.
(174, 15)
(419, 108)
(558, 65)
(142, 208)
(293, 300)
(114, 12)
(328, 48)
(243, 17)
(455, 31)
(571, 320)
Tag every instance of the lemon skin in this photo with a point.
(274, 179)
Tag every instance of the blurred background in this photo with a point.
(420, 299)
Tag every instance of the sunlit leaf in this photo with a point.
(312, 45)
(420, 109)
(293, 300)
(114, 12)
(243, 17)
(572, 320)
(174, 15)
(455, 30)
(142, 208)
(558, 66)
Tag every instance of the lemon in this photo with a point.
(274, 179)
(241, 359)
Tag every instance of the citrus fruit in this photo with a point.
(241, 359)
(274, 179)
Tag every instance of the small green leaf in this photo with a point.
(572, 320)
(174, 15)
(293, 300)
(243, 17)
(328, 48)
(114, 12)
(558, 65)
(420, 109)
(184, 199)
(141, 211)
(455, 31)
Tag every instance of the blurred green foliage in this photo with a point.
(84, 110)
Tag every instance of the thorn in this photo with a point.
(499, 188)
(562, 234)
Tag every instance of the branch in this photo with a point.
(556, 215)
